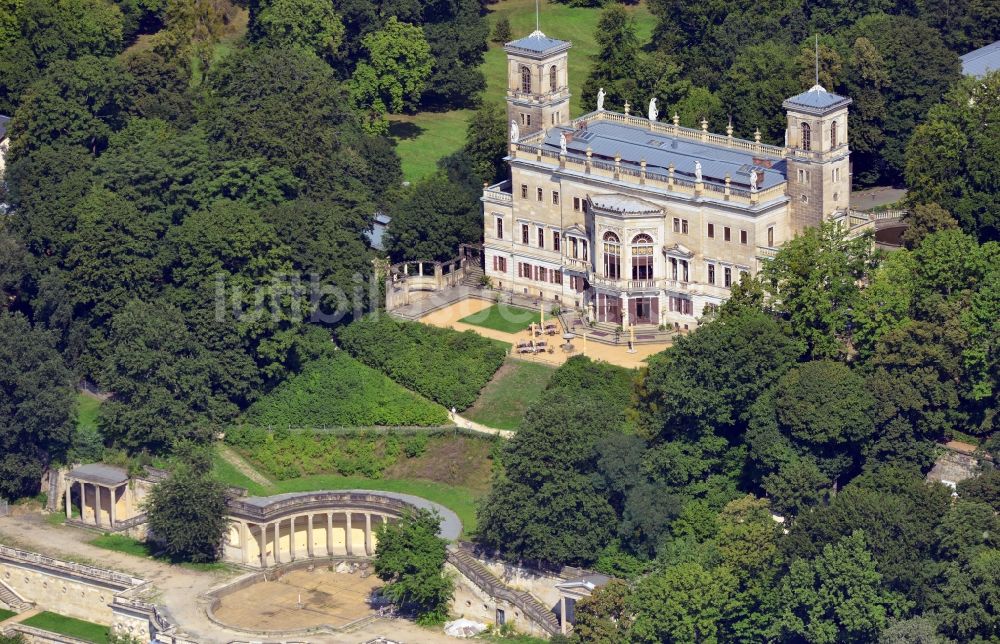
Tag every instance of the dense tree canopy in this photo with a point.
(410, 557)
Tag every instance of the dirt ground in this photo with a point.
(454, 460)
(326, 597)
(618, 355)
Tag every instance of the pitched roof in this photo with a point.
(623, 203)
(608, 138)
(982, 61)
(816, 99)
(99, 473)
(536, 43)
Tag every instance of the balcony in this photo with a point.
(655, 284)
(499, 194)
(574, 264)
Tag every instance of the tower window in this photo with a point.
(499, 228)
(525, 79)
(770, 237)
(833, 134)
(539, 193)
(743, 236)
(727, 233)
(806, 137)
(524, 191)
(553, 78)
(711, 231)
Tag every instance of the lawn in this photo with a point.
(515, 387)
(134, 547)
(424, 138)
(6, 614)
(505, 318)
(69, 626)
(87, 408)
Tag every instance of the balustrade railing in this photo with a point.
(308, 501)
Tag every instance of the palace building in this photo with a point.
(641, 222)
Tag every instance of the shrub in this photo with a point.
(340, 391)
(447, 366)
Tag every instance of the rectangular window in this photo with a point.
(711, 273)
(541, 238)
(502, 264)
(529, 119)
(539, 194)
(743, 236)
(677, 224)
(557, 277)
(727, 277)
(684, 226)
(499, 228)
(555, 197)
(524, 191)
(555, 241)
(576, 204)
(711, 231)
(727, 233)
(770, 237)
(524, 233)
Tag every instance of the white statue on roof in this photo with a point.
(653, 113)
(515, 132)
(600, 100)
(697, 171)
(753, 181)
(562, 143)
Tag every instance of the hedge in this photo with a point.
(339, 390)
(447, 366)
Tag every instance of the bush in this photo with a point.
(447, 366)
(340, 391)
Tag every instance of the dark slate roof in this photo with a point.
(536, 43)
(99, 473)
(376, 236)
(607, 138)
(816, 99)
(4, 122)
(981, 61)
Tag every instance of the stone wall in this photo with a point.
(470, 602)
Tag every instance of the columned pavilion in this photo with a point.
(103, 494)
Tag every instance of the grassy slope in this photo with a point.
(69, 626)
(428, 136)
(87, 408)
(504, 400)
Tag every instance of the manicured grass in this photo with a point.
(461, 501)
(422, 139)
(123, 544)
(6, 614)
(228, 474)
(69, 626)
(503, 317)
(514, 388)
(87, 409)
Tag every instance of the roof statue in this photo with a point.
(653, 113)
(697, 171)
(562, 143)
(753, 181)
(600, 100)
(515, 132)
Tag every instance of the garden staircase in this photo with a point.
(480, 575)
(13, 600)
(473, 275)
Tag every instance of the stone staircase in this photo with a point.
(13, 600)
(473, 275)
(480, 575)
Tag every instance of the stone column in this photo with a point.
(309, 534)
(347, 536)
(329, 534)
(368, 534)
(244, 535)
(562, 614)
(277, 541)
(69, 498)
(291, 538)
(263, 545)
(97, 505)
(111, 513)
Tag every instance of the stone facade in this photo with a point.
(638, 222)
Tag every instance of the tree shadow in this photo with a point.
(404, 130)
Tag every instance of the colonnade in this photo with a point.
(327, 533)
(97, 501)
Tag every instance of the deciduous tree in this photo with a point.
(410, 557)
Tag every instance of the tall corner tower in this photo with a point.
(537, 82)
(819, 171)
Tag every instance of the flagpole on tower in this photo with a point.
(538, 22)
(817, 59)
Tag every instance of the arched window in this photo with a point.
(642, 257)
(612, 256)
(553, 79)
(806, 137)
(833, 134)
(525, 79)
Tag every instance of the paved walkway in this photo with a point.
(179, 588)
(875, 197)
(478, 427)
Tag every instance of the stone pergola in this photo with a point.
(102, 489)
(573, 590)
